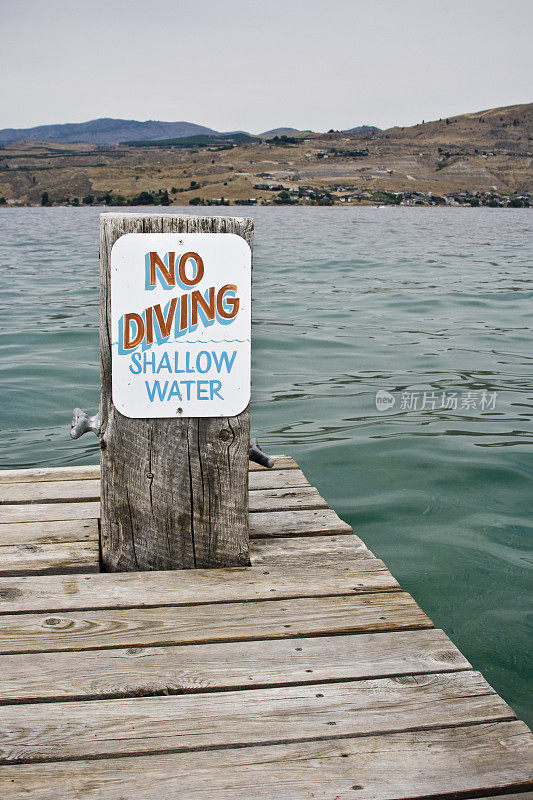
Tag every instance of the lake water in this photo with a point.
(347, 302)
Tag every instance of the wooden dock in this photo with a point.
(310, 674)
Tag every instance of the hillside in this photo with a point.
(482, 157)
(103, 131)
(362, 130)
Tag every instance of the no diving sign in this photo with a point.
(181, 324)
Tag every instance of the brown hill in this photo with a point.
(483, 152)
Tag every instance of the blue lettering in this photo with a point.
(215, 387)
(175, 391)
(201, 386)
(224, 358)
(136, 359)
(148, 361)
(156, 388)
(164, 364)
(199, 361)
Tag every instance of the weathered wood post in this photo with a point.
(175, 310)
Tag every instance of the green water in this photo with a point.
(346, 302)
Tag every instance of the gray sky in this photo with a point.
(259, 64)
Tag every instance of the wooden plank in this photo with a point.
(47, 512)
(167, 625)
(289, 498)
(293, 499)
(136, 671)
(190, 587)
(308, 551)
(59, 557)
(264, 523)
(47, 533)
(74, 473)
(50, 491)
(93, 471)
(397, 766)
(297, 523)
(157, 724)
(277, 479)
(85, 489)
(280, 462)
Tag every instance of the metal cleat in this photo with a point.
(81, 423)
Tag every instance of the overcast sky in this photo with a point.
(258, 64)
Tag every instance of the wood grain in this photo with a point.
(187, 722)
(59, 531)
(87, 472)
(56, 558)
(47, 512)
(396, 766)
(174, 491)
(344, 549)
(297, 523)
(136, 671)
(168, 625)
(277, 479)
(290, 499)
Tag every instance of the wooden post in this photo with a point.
(174, 491)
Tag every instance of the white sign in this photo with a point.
(181, 324)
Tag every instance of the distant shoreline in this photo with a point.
(524, 203)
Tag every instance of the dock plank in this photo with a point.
(262, 523)
(288, 499)
(57, 558)
(136, 671)
(395, 766)
(308, 551)
(317, 522)
(189, 587)
(55, 491)
(58, 531)
(91, 729)
(92, 471)
(274, 551)
(47, 512)
(167, 625)
(73, 473)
